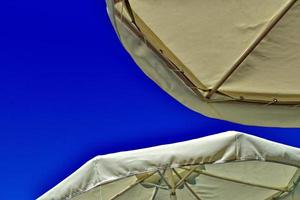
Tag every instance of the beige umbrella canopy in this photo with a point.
(227, 166)
(236, 60)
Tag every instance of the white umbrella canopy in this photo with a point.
(227, 166)
(235, 60)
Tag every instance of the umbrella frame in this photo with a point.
(207, 96)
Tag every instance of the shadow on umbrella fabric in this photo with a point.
(224, 59)
(227, 166)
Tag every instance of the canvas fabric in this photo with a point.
(264, 109)
(227, 166)
(206, 38)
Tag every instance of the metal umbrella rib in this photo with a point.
(187, 186)
(131, 186)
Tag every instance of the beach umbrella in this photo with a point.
(226, 166)
(235, 60)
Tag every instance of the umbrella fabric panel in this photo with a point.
(209, 188)
(272, 70)
(270, 115)
(218, 36)
(109, 190)
(137, 192)
(183, 194)
(241, 180)
(244, 180)
(256, 172)
(122, 189)
(229, 181)
(91, 195)
(227, 157)
(216, 33)
(158, 71)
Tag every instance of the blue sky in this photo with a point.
(69, 92)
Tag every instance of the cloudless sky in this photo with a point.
(69, 92)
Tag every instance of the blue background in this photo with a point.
(69, 92)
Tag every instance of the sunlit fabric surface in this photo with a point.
(227, 166)
(205, 39)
